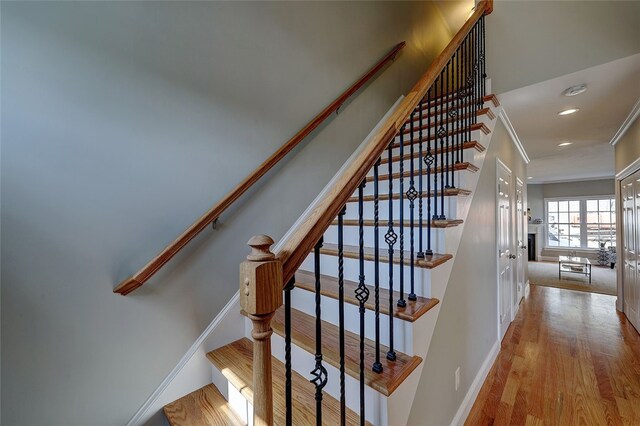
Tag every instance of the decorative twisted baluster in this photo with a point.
(428, 161)
(362, 294)
(390, 238)
(411, 196)
(343, 400)
(420, 254)
(442, 134)
(377, 366)
(319, 373)
(401, 302)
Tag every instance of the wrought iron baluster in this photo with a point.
(428, 160)
(319, 373)
(377, 365)
(411, 196)
(436, 92)
(362, 294)
(401, 302)
(343, 404)
(420, 254)
(390, 238)
(287, 352)
(442, 134)
(483, 60)
(446, 128)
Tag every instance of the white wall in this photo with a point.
(122, 123)
(466, 330)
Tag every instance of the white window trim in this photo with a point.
(583, 220)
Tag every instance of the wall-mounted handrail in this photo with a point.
(146, 272)
(301, 241)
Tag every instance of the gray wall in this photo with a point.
(467, 325)
(535, 201)
(627, 150)
(122, 123)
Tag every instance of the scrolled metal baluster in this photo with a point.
(287, 352)
(401, 302)
(390, 238)
(411, 196)
(377, 365)
(341, 324)
(483, 61)
(428, 161)
(436, 92)
(420, 254)
(442, 134)
(362, 294)
(319, 373)
(445, 117)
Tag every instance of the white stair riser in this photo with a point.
(304, 300)
(329, 266)
(351, 236)
(304, 362)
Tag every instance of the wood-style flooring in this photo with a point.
(569, 358)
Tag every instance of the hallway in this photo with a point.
(568, 358)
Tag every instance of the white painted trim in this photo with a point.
(527, 288)
(142, 411)
(629, 170)
(514, 136)
(633, 114)
(476, 385)
(544, 182)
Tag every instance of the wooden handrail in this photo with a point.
(301, 241)
(140, 277)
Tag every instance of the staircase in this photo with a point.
(362, 271)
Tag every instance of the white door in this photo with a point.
(505, 255)
(520, 246)
(630, 194)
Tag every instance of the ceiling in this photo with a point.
(612, 90)
(533, 41)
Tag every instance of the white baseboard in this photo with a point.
(474, 389)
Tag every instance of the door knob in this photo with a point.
(512, 256)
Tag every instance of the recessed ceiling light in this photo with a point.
(575, 90)
(569, 111)
(565, 143)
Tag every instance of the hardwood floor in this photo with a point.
(568, 359)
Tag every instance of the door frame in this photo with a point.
(501, 165)
(520, 225)
(620, 176)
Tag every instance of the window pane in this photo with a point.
(574, 206)
(553, 218)
(604, 205)
(563, 217)
(592, 217)
(574, 217)
(563, 206)
(592, 205)
(552, 206)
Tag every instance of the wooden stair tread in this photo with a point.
(329, 287)
(448, 120)
(446, 223)
(352, 252)
(487, 98)
(303, 334)
(235, 361)
(474, 127)
(203, 407)
(458, 167)
(407, 155)
(448, 192)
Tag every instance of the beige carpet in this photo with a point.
(546, 274)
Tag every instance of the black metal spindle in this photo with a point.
(411, 195)
(483, 58)
(460, 85)
(428, 160)
(468, 81)
(343, 405)
(319, 373)
(287, 352)
(453, 113)
(401, 302)
(420, 254)
(446, 127)
(377, 365)
(362, 294)
(442, 134)
(436, 93)
(390, 238)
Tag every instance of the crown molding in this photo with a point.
(514, 136)
(633, 114)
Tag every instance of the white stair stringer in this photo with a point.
(400, 402)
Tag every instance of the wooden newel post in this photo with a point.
(260, 296)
